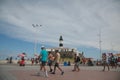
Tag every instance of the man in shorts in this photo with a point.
(50, 61)
(57, 61)
(43, 59)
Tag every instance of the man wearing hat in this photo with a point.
(44, 58)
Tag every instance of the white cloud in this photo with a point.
(77, 20)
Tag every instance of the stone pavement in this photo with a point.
(15, 72)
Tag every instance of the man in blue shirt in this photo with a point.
(44, 58)
(44, 55)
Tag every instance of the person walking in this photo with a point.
(113, 61)
(77, 63)
(32, 61)
(50, 61)
(43, 59)
(57, 61)
(104, 59)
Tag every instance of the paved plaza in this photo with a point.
(15, 72)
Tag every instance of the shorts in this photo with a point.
(43, 63)
(105, 63)
(77, 64)
(50, 63)
(57, 64)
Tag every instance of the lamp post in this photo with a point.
(100, 41)
(35, 46)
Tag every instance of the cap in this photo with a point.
(42, 47)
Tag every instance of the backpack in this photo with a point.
(78, 59)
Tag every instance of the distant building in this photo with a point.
(65, 52)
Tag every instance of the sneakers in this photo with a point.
(46, 74)
(73, 70)
(50, 70)
(53, 73)
(62, 73)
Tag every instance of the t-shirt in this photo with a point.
(44, 55)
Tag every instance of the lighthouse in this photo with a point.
(61, 42)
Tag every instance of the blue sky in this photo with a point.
(78, 21)
(13, 47)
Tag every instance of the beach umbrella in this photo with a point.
(22, 55)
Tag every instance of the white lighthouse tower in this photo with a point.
(61, 42)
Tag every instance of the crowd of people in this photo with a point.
(53, 61)
(109, 60)
(50, 59)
